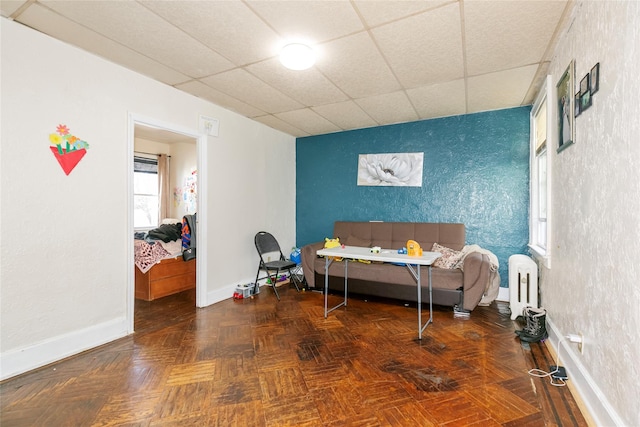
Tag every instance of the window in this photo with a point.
(539, 227)
(145, 192)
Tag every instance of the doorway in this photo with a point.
(187, 187)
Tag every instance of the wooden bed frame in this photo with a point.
(169, 276)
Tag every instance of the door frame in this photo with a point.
(201, 197)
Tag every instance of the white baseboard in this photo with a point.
(593, 400)
(503, 294)
(226, 292)
(21, 360)
(220, 294)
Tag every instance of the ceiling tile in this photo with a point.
(280, 125)
(221, 25)
(61, 28)
(355, 65)
(247, 88)
(309, 121)
(383, 11)
(389, 108)
(441, 100)
(346, 115)
(499, 90)
(130, 23)
(313, 20)
(424, 49)
(203, 91)
(508, 34)
(8, 7)
(309, 87)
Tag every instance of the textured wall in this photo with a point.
(592, 286)
(476, 170)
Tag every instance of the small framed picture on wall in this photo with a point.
(585, 93)
(585, 101)
(584, 85)
(594, 78)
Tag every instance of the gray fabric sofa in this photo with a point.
(461, 288)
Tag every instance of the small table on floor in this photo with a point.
(413, 263)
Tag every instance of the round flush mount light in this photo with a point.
(297, 56)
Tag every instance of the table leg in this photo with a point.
(430, 320)
(416, 276)
(328, 310)
(327, 263)
(346, 264)
(417, 279)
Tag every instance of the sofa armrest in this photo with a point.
(308, 255)
(477, 268)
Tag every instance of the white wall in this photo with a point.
(593, 285)
(64, 265)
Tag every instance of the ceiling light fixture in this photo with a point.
(297, 56)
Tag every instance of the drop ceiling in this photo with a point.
(380, 62)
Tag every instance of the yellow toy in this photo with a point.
(413, 248)
(331, 243)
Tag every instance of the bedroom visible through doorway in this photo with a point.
(165, 190)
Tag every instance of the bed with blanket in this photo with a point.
(159, 266)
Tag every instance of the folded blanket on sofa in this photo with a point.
(493, 285)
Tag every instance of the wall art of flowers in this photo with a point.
(68, 149)
(390, 169)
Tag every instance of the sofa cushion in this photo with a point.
(394, 235)
(352, 240)
(450, 258)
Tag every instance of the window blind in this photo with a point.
(145, 165)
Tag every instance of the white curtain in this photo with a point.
(163, 187)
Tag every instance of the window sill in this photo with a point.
(541, 255)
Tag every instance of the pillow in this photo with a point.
(450, 258)
(357, 241)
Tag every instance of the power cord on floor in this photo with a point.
(556, 382)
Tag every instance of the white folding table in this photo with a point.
(413, 263)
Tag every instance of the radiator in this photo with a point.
(523, 284)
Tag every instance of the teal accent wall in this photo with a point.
(476, 172)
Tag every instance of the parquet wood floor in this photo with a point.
(259, 362)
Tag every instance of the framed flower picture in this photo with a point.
(390, 169)
(566, 108)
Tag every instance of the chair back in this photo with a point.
(266, 243)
